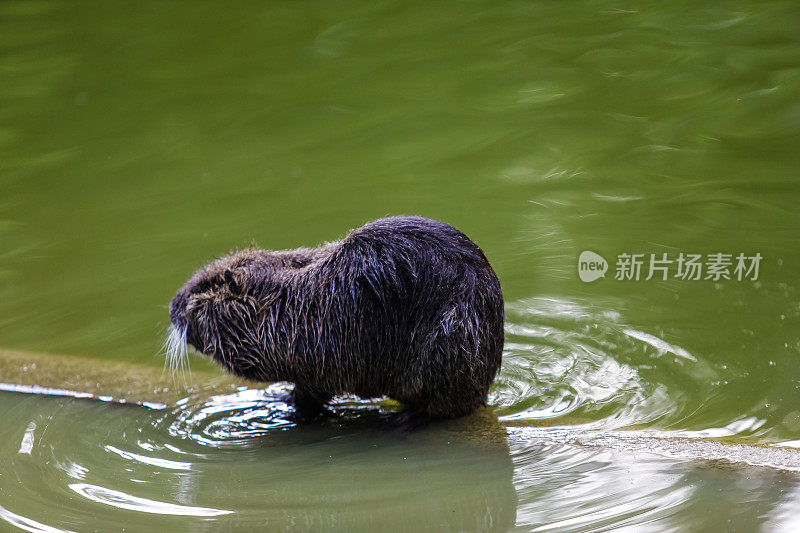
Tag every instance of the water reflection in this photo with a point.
(237, 459)
(120, 500)
(575, 488)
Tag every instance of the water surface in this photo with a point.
(138, 142)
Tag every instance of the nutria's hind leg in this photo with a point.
(308, 405)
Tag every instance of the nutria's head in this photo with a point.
(219, 312)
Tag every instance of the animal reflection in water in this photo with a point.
(356, 469)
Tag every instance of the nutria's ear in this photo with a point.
(230, 280)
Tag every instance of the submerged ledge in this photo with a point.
(150, 387)
(83, 377)
(48, 391)
(709, 452)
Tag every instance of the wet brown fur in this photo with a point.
(405, 307)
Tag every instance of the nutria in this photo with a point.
(405, 307)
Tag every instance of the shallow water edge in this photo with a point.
(138, 385)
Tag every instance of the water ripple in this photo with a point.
(567, 362)
(121, 500)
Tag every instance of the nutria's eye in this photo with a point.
(230, 280)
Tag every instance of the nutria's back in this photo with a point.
(405, 307)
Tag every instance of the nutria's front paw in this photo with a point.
(307, 407)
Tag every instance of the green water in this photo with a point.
(139, 141)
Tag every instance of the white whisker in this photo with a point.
(177, 352)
